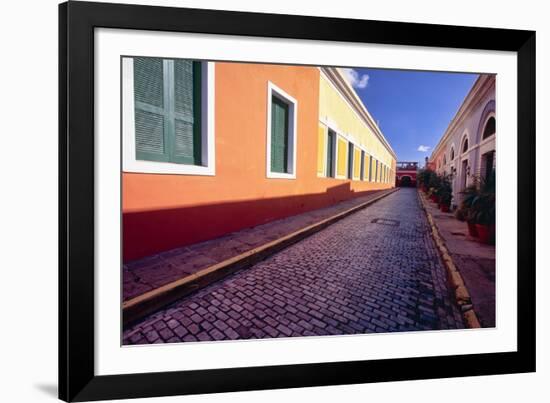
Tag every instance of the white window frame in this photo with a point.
(334, 152)
(208, 157)
(273, 90)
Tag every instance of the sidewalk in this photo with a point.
(195, 265)
(475, 261)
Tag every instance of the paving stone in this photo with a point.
(181, 331)
(231, 334)
(203, 336)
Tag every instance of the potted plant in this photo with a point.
(483, 209)
(423, 179)
(445, 194)
(461, 213)
(434, 184)
(468, 196)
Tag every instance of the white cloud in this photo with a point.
(355, 79)
(423, 149)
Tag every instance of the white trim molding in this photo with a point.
(129, 161)
(273, 90)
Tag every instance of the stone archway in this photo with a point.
(488, 112)
(405, 181)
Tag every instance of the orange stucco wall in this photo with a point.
(161, 212)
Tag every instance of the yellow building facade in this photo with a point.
(350, 144)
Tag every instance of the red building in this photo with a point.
(406, 174)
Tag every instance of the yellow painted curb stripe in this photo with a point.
(461, 293)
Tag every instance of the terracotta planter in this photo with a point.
(472, 230)
(486, 233)
(444, 208)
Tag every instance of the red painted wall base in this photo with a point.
(151, 232)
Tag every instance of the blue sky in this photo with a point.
(413, 108)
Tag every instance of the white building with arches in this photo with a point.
(468, 146)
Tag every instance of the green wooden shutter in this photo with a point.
(150, 119)
(167, 97)
(279, 136)
(186, 141)
(362, 174)
(330, 154)
(351, 154)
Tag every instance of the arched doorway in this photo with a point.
(490, 128)
(488, 157)
(464, 163)
(406, 181)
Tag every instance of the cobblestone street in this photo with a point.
(375, 271)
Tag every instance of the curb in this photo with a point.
(153, 300)
(462, 296)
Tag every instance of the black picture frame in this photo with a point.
(77, 21)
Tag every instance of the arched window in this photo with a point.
(490, 128)
(452, 154)
(444, 159)
(465, 145)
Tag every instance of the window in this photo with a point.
(487, 164)
(357, 163)
(490, 128)
(341, 159)
(350, 160)
(167, 102)
(465, 145)
(370, 168)
(376, 177)
(362, 165)
(452, 154)
(331, 147)
(281, 134)
(322, 150)
(464, 175)
(166, 105)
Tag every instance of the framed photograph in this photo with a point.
(258, 201)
